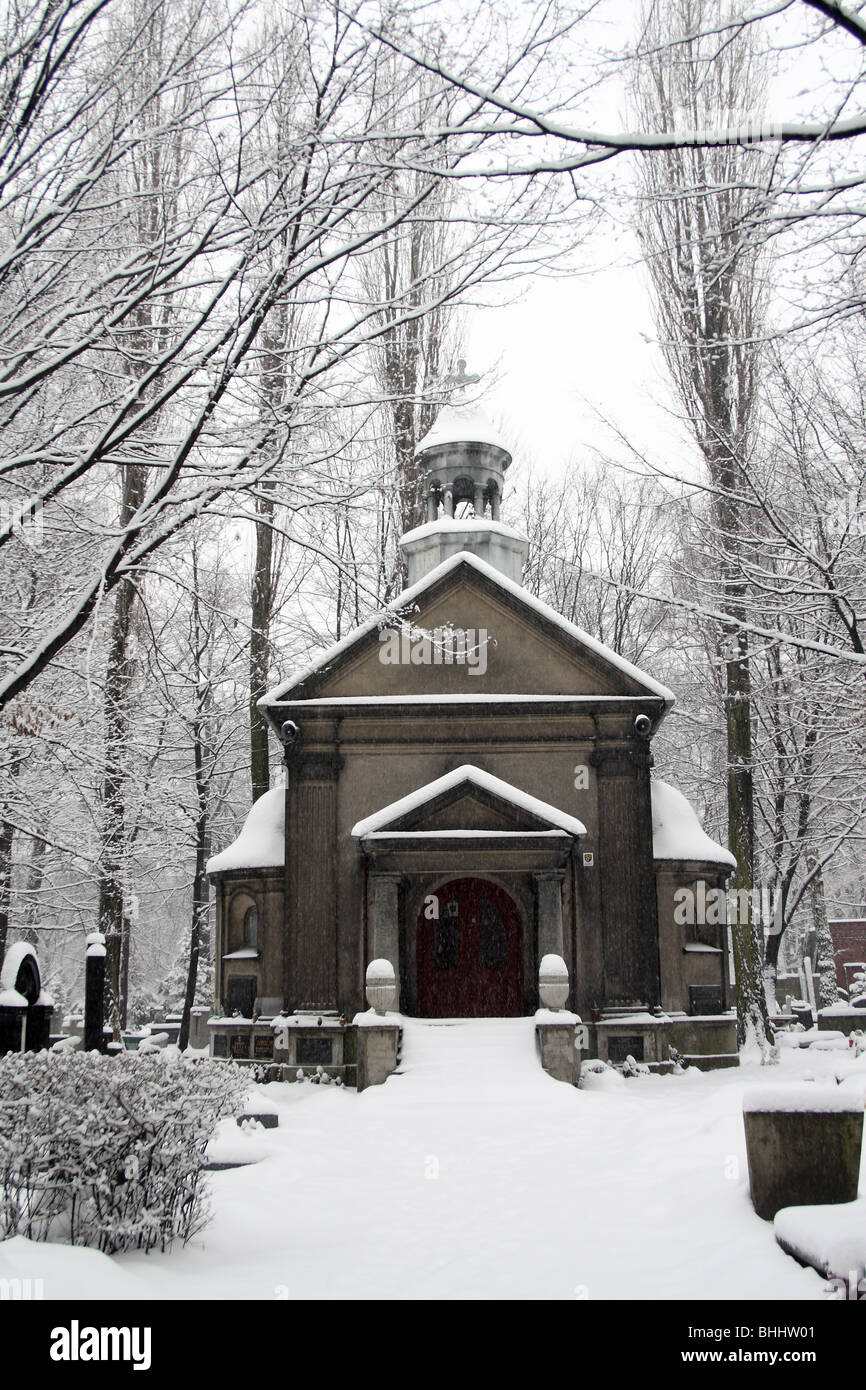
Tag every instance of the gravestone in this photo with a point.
(25, 1008)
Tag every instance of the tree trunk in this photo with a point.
(261, 606)
(7, 838)
(828, 990)
(113, 921)
(746, 935)
(200, 886)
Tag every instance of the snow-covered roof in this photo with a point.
(425, 835)
(461, 424)
(466, 526)
(409, 596)
(15, 954)
(262, 843)
(467, 698)
(677, 832)
(467, 774)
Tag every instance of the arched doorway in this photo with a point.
(470, 960)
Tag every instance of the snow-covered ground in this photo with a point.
(472, 1174)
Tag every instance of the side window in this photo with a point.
(243, 922)
(251, 927)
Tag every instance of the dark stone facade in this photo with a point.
(556, 719)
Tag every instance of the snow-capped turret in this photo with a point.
(463, 461)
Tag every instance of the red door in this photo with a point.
(469, 956)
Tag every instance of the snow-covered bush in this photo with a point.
(108, 1151)
(858, 987)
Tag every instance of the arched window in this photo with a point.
(251, 927)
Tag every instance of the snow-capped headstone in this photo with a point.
(94, 993)
(803, 1145)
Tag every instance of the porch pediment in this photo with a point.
(465, 805)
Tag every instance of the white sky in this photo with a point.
(571, 353)
(574, 349)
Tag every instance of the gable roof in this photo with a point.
(465, 558)
(459, 780)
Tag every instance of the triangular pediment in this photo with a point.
(468, 800)
(467, 632)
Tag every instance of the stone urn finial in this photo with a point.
(553, 982)
(381, 985)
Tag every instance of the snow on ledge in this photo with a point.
(262, 842)
(465, 834)
(831, 1238)
(467, 773)
(807, 1099)
(677, 832)
(370, 1019)
(559, 1016)
(470, 527)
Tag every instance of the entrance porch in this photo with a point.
(465, 894)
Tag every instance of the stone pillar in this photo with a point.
(627, 872)
(310, 958)
(548, 888)
(432, 505)
(494, 504)
(449, 502)
(478, 500)
(386, 923)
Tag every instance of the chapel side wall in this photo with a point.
(233, 892)
(680, 968)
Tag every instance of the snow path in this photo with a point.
(472, 1174)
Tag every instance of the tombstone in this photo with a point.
(94, 994)
(25, 1008)
(199, 1036)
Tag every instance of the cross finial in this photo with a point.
(458, 380)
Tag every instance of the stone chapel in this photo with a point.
(468, 789)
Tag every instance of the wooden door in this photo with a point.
(470, 955)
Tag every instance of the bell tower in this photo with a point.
(463, 463)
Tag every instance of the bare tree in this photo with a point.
(695, 211)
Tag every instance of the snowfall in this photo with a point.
(472, 1174)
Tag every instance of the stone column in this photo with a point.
(386, 923)
(310, 958)
(627, 873)
(548, 887)
(478, 500)
(432, 505)
(494, 504)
